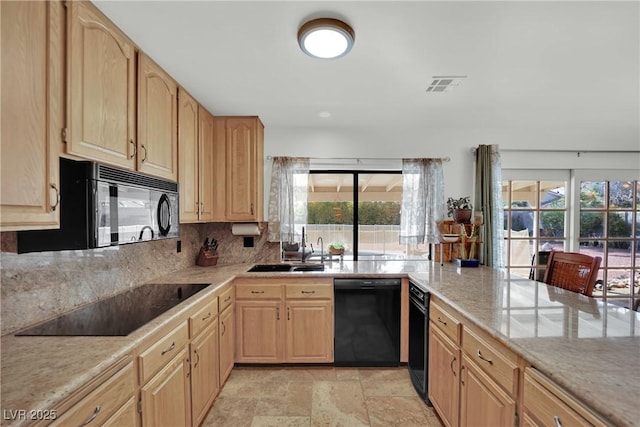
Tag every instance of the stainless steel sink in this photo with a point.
(266, 268)
(274, 268)
(308, 267)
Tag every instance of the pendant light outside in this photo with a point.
(326, 38)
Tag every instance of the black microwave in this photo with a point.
(104, 206)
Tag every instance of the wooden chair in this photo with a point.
(573, 271)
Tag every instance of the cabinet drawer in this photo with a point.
(226, 298)
(258, 291)
(445, 322)
(547, 404)
(160, 353)
(203, 317)
(305, 291)
(495, 360)
(126, 415)
(102, 402)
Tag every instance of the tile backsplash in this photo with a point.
(42, 285)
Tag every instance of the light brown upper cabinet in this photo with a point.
(188, 170)
(196, 159)
(101, 76)
(32, 88)
(244, 160)
(157, 120)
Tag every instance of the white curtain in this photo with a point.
(422, 200)
(288, 198)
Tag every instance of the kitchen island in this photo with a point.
(589, 348)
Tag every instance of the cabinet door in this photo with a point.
(219, 170)
(482, 401)
(101, 88)
(206, 165)
(157, 121)
(444, 380)
(227, 343)
(259, 332)
(243, 169)
(304, 346)
(188, 171)
(204, 372)
(166, 398)
(31, 108)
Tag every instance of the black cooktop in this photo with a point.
(119, 315)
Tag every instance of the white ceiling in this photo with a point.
(529, 64)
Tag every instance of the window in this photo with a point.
(602, 218)
(366, 221)
(535, 213)
(609, 227)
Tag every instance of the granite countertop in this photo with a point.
(590, 348)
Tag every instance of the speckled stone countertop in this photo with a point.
(589, 348)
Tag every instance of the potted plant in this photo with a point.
(460, 209)
(336, 248)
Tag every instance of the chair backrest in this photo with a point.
(573, 271)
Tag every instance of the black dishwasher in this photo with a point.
(367, 322)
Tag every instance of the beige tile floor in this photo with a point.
(319, 396)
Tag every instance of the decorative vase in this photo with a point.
(462, 216)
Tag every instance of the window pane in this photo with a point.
(592, 194)
(552, 195)
(523, 194)
(379, 199)
(552, 224)
(618, 282)
(619, 224)
(621, 195)
(591, 224)
(330, 212)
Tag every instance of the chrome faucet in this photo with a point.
(321, 243)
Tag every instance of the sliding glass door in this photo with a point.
(361, 211)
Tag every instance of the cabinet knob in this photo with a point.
(145, 153)
(556, 419)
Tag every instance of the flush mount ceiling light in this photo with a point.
(325, 38)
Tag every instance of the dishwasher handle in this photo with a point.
(365, 283)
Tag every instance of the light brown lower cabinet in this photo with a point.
(226, 330)
(546, 404)
(473, 380)
(166, 398)
(106, 404)
(127, 415)
(205, 383)
(259, 331)
(274, 317)
(482, 401)
(444, 375)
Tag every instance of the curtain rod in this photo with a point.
(444, 159)
(578, 152)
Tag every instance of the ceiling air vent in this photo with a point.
(444, 83)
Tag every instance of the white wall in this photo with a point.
(457, 144)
